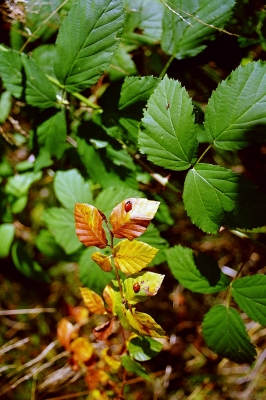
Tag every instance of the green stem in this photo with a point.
(203, 154)
(167, 65)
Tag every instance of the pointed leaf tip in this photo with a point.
(132, 216)
(89, 225)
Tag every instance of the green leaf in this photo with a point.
(26, 265)
(7, 233)
(199, 274)
(87, 41)
(215, 196)
(45, 243)
(91, 275)
(39, 90)
(121, 65)
(143, 348)
(145, 16)
(18, 185)
(5, 106)
(169, 137)
(235, 114)
(185, 38)
(52, 134)
(10, 71)
(61, 223)
(225, 333)
(137, 89)
(133, 366)
(44, 56)
(70, 188)
(250, 295)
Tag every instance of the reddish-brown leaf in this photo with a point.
(132, 216)
(103, 331)
(89, 225)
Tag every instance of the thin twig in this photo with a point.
(28, 311)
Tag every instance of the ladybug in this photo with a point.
(136, 287)
(128, 206)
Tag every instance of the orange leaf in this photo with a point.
(94, 378)
(108, 295)
(103, 261)
(80, 313)
(82, 349)
(66, 332)
(93, 301)
(132, 216)
(89, 225)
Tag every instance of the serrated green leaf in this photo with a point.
(7, 233)
(133, 366)
(235, 114)
(199, 274)
(91, 275)
(145, 16)
(70, 188)
(136, 89)
(250, 294)
(52, 134)
(225, 333)
(26, 265)
(61, 223)
(39, 90)
(215, 196)
(185, 38)
(10, 71)
(5, 106)
(168, 136)
(87, 41)
(144, 348)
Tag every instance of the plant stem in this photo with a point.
(167, 65)
(203, 154)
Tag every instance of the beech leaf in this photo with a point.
(141, 286)
(66, 332)
(133, 256)
(89, 225)
(82, 349)
(144, 323)
(103, 261)
(93, 301)
(132, 216)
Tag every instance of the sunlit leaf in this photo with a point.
(66, 332)
(111, 361)
(93, 301)
(89, 226)
(141, 286)
(79, 313)
(144, 323)
(133, 256)
(82, 349)
(7, 233)
(103, 261)
(131, 217)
